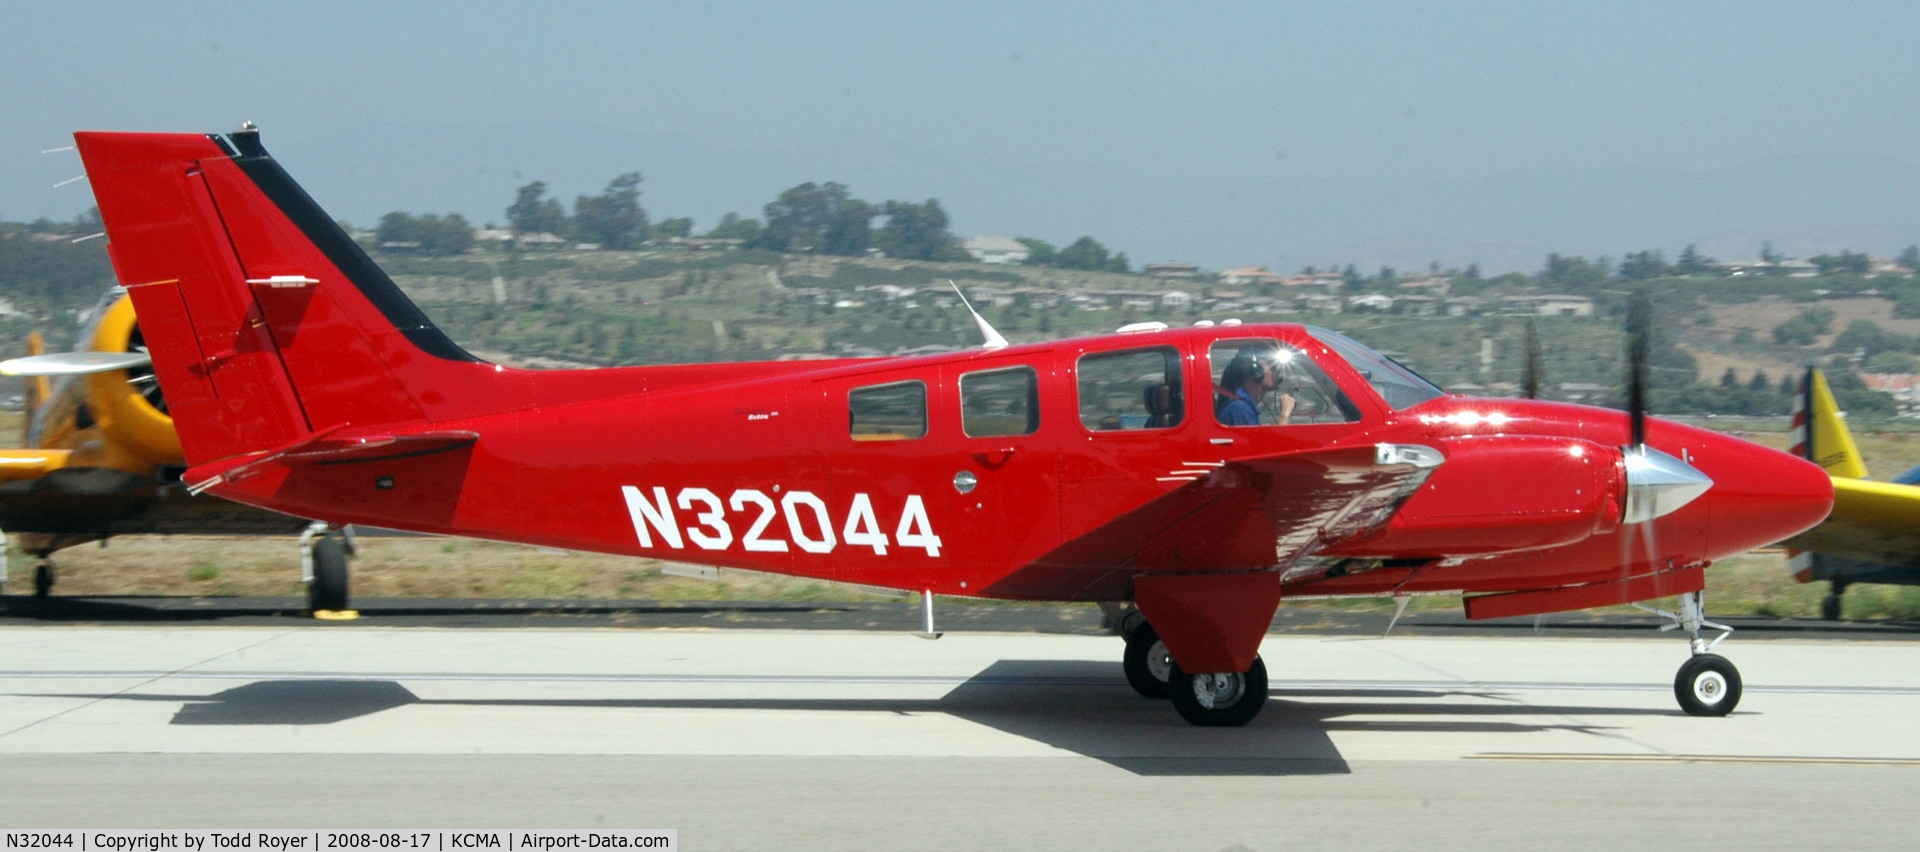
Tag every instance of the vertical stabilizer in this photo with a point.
(266, 322)
(1820, 432)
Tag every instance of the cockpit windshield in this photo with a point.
(1399, 386)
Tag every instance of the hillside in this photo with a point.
(675, 305)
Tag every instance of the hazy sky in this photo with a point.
(1227, 134)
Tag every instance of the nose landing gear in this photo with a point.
(1707, 684)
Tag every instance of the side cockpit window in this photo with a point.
(890, 412)
(1398, 386)
(997, 403)
(1264, 382)
(1131, 389)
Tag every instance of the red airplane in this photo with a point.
(1097, 469)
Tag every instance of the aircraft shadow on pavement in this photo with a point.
(1074, 705)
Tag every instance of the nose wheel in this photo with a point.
(1707, 684)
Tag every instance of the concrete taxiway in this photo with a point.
(752, 738)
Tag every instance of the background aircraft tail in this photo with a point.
(266, 322)
(1820, 432)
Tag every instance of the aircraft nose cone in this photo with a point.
(1760, 497)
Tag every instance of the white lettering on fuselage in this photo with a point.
(809, 524)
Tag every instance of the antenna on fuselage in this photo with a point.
(994, 340)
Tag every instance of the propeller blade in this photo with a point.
(1530, 381)
(73, 363)
(1639, 326)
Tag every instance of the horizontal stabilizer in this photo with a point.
(331, 447)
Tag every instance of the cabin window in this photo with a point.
(1000, 402)
(891, 412)
(1131, 389)
(1263, 382)
(1398, 386)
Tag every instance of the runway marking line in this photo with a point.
(1550, 757)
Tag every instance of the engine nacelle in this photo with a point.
(1500, 494)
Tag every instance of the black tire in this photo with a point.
(1146, 662)
(1235, 698)
(1830, 607)
(42, 580)
(1707, 685)
(328, 591)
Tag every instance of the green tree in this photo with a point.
(397, 229)
(1692, 262)
(732, 227)
(916, 232)
(1574, 273)
(1640, 266)
(1804, 327)
(1039, 252)
(1846, 261)
(670, 228)
(614, 218)
(1084, 253)
(820, 218)
(1767, 253)
(1909, 258)
(531, 213)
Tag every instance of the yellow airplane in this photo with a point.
(101, 459)
(1873, 534)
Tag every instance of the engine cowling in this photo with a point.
(1500, 494)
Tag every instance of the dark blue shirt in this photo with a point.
(1239, 410)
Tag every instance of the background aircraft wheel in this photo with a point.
(328, 591)
(1226, 700)
(1707, 685)
(1146, 662)
(1830, 607)
(42, 580)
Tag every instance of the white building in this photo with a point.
(996, 249)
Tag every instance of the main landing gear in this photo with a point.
(324, 553)
(1218, 700)
(1707, 684)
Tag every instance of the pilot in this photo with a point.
(1249, 377)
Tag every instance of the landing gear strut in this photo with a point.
(1707, 684)
(43, 579)
(1830, 605)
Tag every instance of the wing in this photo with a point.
(1874, 521)
(28, 465)
(1248, 515)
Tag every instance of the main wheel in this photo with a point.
(1707, 685)
(1830, 607)
(1147, 663)
(1224, 700)
(328, 591)
(42, 580)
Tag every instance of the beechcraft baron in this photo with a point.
(1097, 469)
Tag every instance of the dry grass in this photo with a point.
(401, 566)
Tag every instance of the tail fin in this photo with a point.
(266, 323)
(1819, 432)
